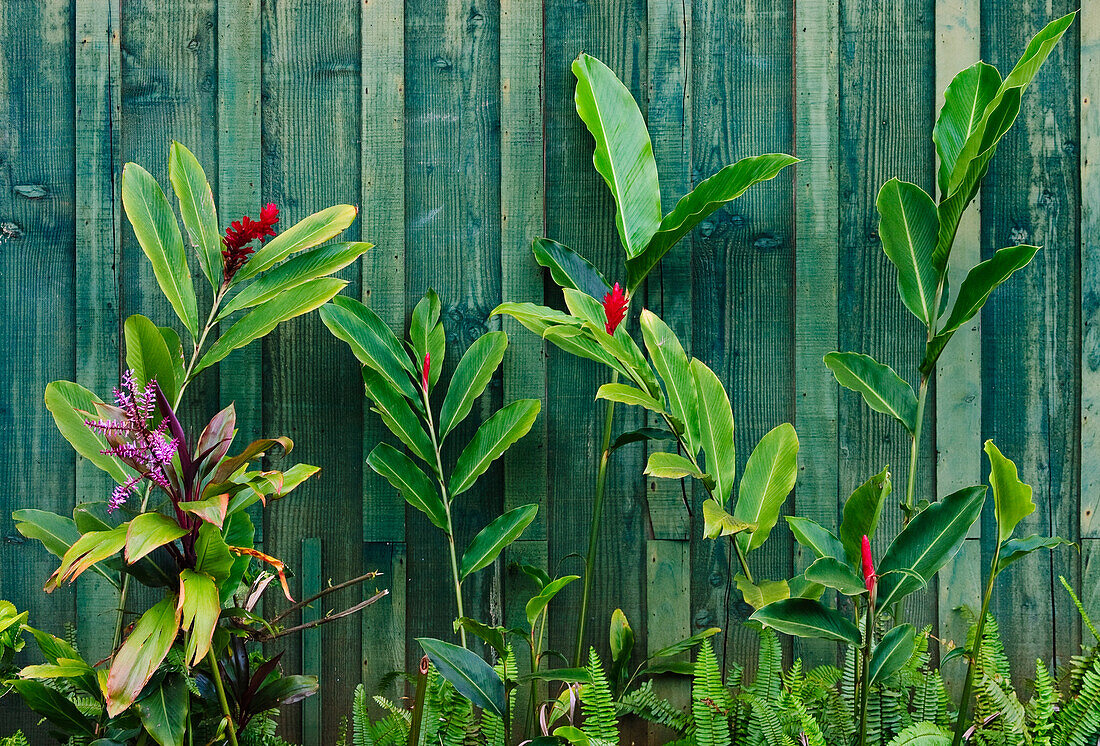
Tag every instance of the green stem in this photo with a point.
(742, 559)
(968, 685)
(454, 572)
(918, 426)
(864, 679)
(594, 529)
(230, 727)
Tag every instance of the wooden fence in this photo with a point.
(451, 124)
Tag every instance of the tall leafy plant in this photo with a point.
(399, 380)
(918, 233)
(623, 156)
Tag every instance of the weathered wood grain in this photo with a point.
(1089, 125)
(313, 663)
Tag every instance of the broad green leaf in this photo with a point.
(1011, 497)
(427, 334)
(717, 522)
(576, 342)
(469, 674)
(491, 540)
(538, 603)
(537, 319)
(142, 654)
(803, 588)
(624, 393)
(398, 416)
(212, 555)
(922, 734)
(158, 233)
(305, 234)
(148, 531)
(148, 356)
(720, 189)
(759, 595)
(816, 538)
(569, 269)
(641, 435)
(53, 648)
(265, 317)
(908, 225)
(493, 636)
(623, 154)
(768, 479)
(665, 465)
(836, 574)
(56, 532)
(878, 384)
(407, 478)
(804, 617)
(200, 606)
(621, 637)
(491, 440)
(163, 711)
(55, 707)
(861, 514)
(927, 543)
(892, 652)
(1016, 549)
(91, 548)
(674, 367)
(620, 345)
(197, 210)
(715, 430)
(982, 280)
(71, 404)
(372, 343)
(965, 100)
(309, 265)
(471, 376)
(212, 509)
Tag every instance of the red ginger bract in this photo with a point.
(239, 237)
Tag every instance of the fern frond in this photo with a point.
(644, 703)
(1079, 721)
(710, 700)
(1041, 708)
(597, 704)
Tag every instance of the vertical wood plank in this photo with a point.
(312, 660)
(958, 386)
(667, 621)
(384, 622)
(97, 215)
(311, 155)
(743, 266)
(1030, 328)
(816, 283)
(36, 298)
(1089, 67)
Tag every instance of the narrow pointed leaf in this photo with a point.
(623, 154)
(305, 234)
(471, 376)
(469, 674)
(965, 101)
(908, 225)
(861, 514)
(569, 269)
(1017, 549)
(624, 393)
(141, 654)
(148, 356)
(158, 233)
(397, 415)
(769, 478)
(715, 430)
(407, 478)
(200, 217)
(892, 652)
(538, 603)
(711, 194)
(1011, 497)
(491, 540)
(674, 367)
(803, 617)
(372, 342)
(535, 318)
(878, 384)
(427, 334)
(491, 440)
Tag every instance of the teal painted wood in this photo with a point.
(313, 663)
(97, 213)
(1089, 126)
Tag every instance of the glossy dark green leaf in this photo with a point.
(965, 101)
(55, 707)
(1017, 549)
(715, 430)
(1011, 497)
(569, 269)
(861, 514)
(212, 555)
(491, 440)
(641, 435)
(163, 711)
(892, 652)
(471, 676)
(200, 217)
(397, 415)
(471, 376)
(372, 342)
(816, 538)
(71, 404)
(491, 540)
(878, 384)
(769, 478)
(803, 617)
(836, 574)
(406, 477)
(674, 367)
(148, 356)
(427, 334)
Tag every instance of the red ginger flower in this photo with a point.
(427, 371)
(869, 576)
(614, 308)
(241, 234)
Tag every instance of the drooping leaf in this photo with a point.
(308, 265)
(1017, 549)
(493, 636)
(641, 435)
(491, 540)
(56, 532)
(407, 478)
(1011, 497)
(687, 643)
(768, 479)
(397, 415)
(665, 465)
(471, 376)
(861, 514)
(158, 233)
(578, 342)
(623, 154)
(965, 100)
(471, 676)
(759, 595)
(674, 367)
(70, 404)
(372, 343)
(148, 356)
(908, 225)
(803, 617)
(836, 574)
(305, 234)
(715, 430)
(878, 384)
(619, 345)
(891, 653)
(538, 603)
(717, 522)
(200, 217)
(569, 269)
(55, 707)
(199, 608)
(491, 440)
(816, 538)
(90, 549)
(141, 654)
(712, 193)
(927, 543)
(163, 711)
(537, 319)
(212, 509)
(148, 531)
(266, 316)
(624, 393)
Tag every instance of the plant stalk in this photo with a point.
(230, 727)
(594, 529)
(968, 684)
(918, 426)
(864, 680)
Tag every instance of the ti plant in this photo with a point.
(399, 380)
(176, 522)
(918, 234)
(624, 158)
